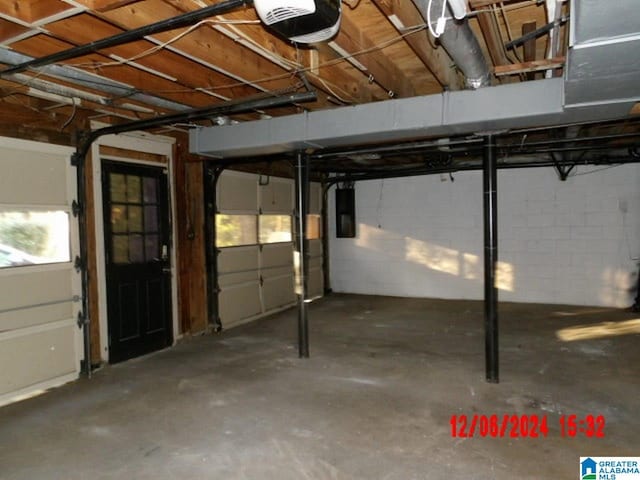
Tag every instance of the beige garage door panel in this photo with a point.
(315, 248)
(37, 357)
(239, 278)
(239, 303)
(278, 292)
(237, 193)
(22, 287)
(277, 196)
(39, 338)
(31, 178)
(29, 317)
(315, 263)
(277, 272)
(277, 255)
(315, 198)
(238, 259)
(315, 283)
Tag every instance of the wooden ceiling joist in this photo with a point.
(235, 56)
(375, 65)
(404, 15)
(534, 66)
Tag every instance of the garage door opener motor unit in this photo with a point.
(301, 21)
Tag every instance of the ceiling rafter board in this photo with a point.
(395, 64)
(383, 71)
(211, 46)
(342, 76)
(339, 77)
(517, 18)
(434, 57)
(36, 12)
(188, 73)
(42, 45)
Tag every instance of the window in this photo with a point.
(236, 230)
(275, 228)
(135, 221)
(33, 238)
(314, 227)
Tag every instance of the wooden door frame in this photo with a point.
(143, 143)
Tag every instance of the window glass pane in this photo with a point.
(151, 219)
(120, 249)
(118, 187)
(119, 222)
(152, 247)
(33, 237)
(136, 249)
(149, 188)
(314, 227)
(234, 230)
(134, 193)
(275, 228)
(135, 219)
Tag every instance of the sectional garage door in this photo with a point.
(40, 343)
(255, 244)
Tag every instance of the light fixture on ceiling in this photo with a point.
(301, 21)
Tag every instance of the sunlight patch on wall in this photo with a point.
(373, 238)
(454, 262)
(505, 276)
(435, 257)
(599, 330)
(616, 287)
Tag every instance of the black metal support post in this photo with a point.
(636, 304)
(489, 176)
(302, 208)
(326, 269)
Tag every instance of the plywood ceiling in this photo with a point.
(383, 51)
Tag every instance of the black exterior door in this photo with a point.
(137, 234)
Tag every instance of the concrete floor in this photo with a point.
(373, 402)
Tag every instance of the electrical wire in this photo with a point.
(297, 67)
(442, 16)
(72, 116)
(303, 69)
(163, 45)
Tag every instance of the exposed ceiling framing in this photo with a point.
(382, 51)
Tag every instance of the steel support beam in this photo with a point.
(302, 208)
(521, 105)
(180, 21)
(490, 204)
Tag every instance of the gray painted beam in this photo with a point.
(512, 106)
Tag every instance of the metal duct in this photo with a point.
(460, 43)
(604, 55)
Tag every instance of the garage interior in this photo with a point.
(237, 246)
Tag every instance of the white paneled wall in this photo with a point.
(572, 242)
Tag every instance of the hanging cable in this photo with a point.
(441, 22)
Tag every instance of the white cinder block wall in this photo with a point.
(573, 242)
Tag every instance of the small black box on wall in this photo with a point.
(345, 213)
